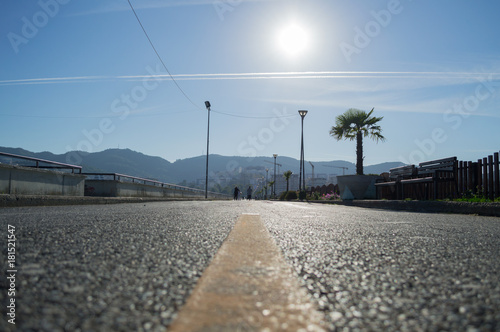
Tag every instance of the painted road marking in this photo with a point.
(248, 287)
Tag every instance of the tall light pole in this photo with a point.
(207, 105)
(302, 176)
(312, 165)
(267, 181)
(274, 184)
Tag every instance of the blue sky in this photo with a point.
(81, 75)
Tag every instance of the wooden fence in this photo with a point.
(322, 190)
(480, 178)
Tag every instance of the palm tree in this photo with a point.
(287, 176)
(271, 184)
(356, 124)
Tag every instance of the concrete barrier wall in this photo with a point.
(16, 180)
(113, 188)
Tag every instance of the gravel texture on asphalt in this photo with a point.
(130, 267)
(373, 270)
(109, 268)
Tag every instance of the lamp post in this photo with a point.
(274, 184)
(267, 181)
(302, 176)
(207, 105)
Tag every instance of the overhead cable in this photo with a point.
(159, 57)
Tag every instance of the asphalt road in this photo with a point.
(132, 266)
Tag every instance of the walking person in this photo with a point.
(249, 193)
(235, 194)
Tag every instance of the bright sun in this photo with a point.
(293, 40)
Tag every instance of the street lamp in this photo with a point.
(267, 181)
(302, 176)
(274, 184)
(207, 105)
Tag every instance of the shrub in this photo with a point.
(302, 195)
(314, 196)
(291, 195)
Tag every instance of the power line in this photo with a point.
(181, 90)
(158, 55)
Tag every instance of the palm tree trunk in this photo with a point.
(359, 153)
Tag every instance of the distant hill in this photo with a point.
(130, 163)
(124, 161)
(134, 163)
(381, 168)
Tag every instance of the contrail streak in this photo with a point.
(258, 76)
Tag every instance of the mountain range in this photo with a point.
(126, 161)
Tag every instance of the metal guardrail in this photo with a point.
(134, 179)
(37, 161)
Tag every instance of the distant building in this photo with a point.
(332, 178)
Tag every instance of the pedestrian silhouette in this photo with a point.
(236, 192)
(249, 193)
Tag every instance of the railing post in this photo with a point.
(473, 176)
(497, 176)
(465, 178)
(490, 178)
(460, 174)
(485, 177)
(479, 176)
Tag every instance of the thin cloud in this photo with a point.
(138, 5)
(464, 76)
(56, 80)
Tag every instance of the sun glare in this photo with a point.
(293, 40)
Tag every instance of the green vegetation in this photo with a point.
(475, 198)
(287, 176)
(315, 196)
(288, 196)
(356, 124)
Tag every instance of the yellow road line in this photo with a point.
(248, 287)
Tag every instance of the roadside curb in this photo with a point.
(35, 200)
(480, 209)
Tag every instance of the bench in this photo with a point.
(396, 175)
(435, 172)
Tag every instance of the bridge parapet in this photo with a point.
(121, 185)
(21, 180)
(22, 175)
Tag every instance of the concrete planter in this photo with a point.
(357, 186)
